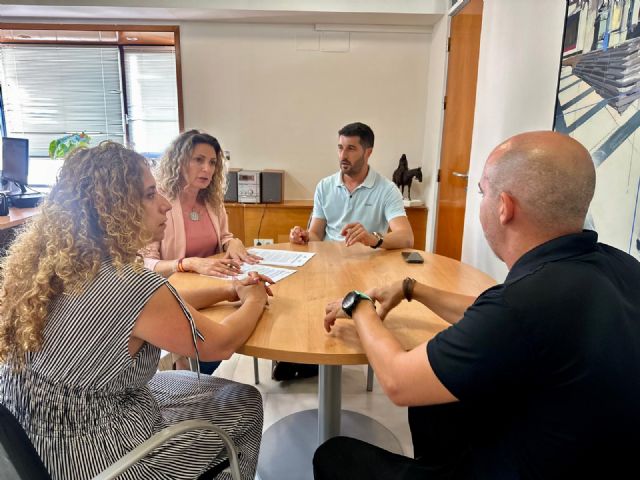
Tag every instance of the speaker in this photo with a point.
(272, 186)
(231, 195)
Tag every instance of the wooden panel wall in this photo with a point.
(248, 221)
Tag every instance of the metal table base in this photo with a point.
(289, 444)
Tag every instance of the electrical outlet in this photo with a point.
(262, 241)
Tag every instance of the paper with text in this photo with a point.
(283, 258)
(274, 273)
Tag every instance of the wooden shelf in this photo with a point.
(274, 220)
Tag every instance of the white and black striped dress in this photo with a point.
(84, 402)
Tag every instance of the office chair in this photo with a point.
(20, 461)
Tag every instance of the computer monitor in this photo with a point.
(15, 160)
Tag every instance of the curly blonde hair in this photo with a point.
(170, 170)
(94, 212)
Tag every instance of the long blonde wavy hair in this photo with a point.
(93, 212)
(170, 170)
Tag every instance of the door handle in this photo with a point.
(459, 174)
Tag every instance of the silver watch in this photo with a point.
(380, 239)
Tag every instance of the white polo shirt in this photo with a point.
(373, 204)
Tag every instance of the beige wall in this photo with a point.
(276, 105)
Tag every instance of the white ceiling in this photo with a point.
(357, 12)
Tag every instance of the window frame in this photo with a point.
(123, 39)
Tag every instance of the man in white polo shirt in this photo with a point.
(356, 204)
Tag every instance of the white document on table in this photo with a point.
(274, 273)
(283, 258)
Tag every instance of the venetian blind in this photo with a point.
(152, 97)
(53, 90)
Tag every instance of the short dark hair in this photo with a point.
(361, 130)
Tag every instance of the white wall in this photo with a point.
(276, 106)
(520, 48)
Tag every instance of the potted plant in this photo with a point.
(60, 147)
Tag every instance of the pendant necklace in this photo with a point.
(194, 215)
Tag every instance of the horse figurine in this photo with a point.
(403, 176)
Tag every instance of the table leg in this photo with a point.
(329, 402)
(288, 445)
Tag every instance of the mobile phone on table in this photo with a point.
(412, 257)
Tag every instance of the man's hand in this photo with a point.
(355, 233)
(389, 296)
(299, 236)
(332, 311)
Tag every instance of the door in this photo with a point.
(460, 100)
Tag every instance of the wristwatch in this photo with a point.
(380, 239)
(351, 300)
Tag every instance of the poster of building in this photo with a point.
(598, 104)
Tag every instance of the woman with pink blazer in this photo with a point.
(191, 174)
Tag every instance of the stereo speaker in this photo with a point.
(272, 186)
(231, 195)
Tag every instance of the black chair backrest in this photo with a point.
(18, 459)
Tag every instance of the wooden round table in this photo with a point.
(291, 329)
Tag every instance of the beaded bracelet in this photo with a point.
(407, 288)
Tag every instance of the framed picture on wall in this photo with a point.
(598, 103)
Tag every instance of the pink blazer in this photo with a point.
(174, 243)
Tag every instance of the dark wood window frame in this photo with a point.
(139, 35)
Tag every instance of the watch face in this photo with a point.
(348, 302)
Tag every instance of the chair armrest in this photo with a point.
(163, 436)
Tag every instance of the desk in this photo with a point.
(16, 217)
(291, 329)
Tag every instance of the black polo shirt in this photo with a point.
(548, 363)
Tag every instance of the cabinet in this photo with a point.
(274, 220)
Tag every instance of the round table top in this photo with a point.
(291, 328)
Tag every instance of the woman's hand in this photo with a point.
(237, 252)
(388, 296)
(254, 287)
(215, 267)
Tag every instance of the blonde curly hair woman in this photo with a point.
(192, 175)
(82, 324)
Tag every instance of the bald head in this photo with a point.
(550, 175)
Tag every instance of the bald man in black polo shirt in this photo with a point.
(537, 378)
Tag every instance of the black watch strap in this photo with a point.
(380, 240)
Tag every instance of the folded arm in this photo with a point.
(400, 236)
(406, 377)
(162, 323)
(447, 305)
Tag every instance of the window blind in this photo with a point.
(50, 91)
(152, 97)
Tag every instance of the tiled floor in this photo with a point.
(284, 398)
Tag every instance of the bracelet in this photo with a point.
(407, 288)
(179, 266)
